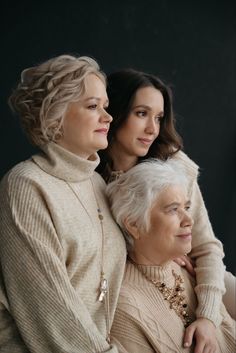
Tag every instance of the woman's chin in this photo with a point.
(102, 145)
(142, 153)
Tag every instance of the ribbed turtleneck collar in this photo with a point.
(62, 164)
(156, 273)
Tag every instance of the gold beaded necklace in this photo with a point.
(104, 286)
(174, 296)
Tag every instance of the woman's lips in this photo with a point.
(145, 141)
(186, 236)
(102, 131)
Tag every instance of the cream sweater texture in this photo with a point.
(144, 322)
(50, 253)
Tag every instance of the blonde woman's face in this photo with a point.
(87, 122)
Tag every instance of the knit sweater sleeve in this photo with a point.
(207, 251)
(49, 314)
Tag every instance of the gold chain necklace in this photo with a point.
(104, 287)
(174, 296)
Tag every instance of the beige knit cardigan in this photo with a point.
(50, 253)
(144, 322)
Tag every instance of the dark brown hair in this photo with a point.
(121, 90)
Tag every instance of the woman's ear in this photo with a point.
(132, 228)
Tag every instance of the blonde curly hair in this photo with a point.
(42, 97)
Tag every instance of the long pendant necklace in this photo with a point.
(104, 285)
(174, 295)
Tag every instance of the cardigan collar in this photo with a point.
(63, 164)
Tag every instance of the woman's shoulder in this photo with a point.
(132, 290)
(21, 169)
(22, 174)
(190, 166)
(129, 299)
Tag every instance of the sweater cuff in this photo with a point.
(209, 302)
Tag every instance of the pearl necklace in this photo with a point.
(174, 295)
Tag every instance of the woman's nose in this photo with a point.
(106, 116)
(152, 127)
(187, 220)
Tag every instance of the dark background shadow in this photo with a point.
(189, 44)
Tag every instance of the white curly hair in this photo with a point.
(132, 195)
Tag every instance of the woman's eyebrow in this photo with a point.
(142, 106)
(96, 98)
(171, 205)
(147, 108)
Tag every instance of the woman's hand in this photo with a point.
(185, 261)
(204, 333)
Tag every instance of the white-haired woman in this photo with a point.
(59, 246)
(157, 300)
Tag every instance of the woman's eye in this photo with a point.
(158, 119)
(187, 208)
(92, 106)
(141, 113)
(173, 210)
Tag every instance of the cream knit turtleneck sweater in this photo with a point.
(144, 322)
(50, 252)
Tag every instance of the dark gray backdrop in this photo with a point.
(189, 44)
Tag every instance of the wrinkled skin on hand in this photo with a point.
(203, 332)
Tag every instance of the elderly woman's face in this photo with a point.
(86, 122)
(169, 235)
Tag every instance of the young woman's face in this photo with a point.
(142, 126)
(86, 122)
(169, 235)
